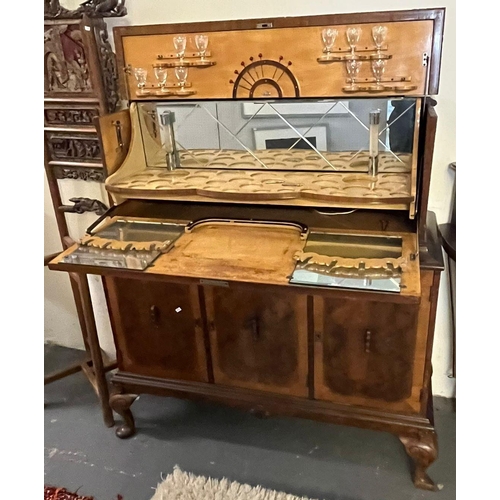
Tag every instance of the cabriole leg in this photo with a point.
(121, 404)
(422, 448)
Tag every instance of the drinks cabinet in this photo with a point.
(269, 245)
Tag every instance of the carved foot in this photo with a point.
(421, 446)
(121, 404)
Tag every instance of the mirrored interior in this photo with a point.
(324, 135)
(351, 247)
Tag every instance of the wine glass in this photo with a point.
(181, 73)
(378, 68)
(141, 75)
(201, 42)
(379, 34)
(353, 33)
(161, 76)
(328, 35)
(353, 66)
(180, 45)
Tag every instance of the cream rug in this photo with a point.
(186, 486)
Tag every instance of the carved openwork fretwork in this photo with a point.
(90, 8)
(72, 147)
(79, 173)
(108, 67)
(66, 67)
(65, 116)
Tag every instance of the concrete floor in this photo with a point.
(302, 457)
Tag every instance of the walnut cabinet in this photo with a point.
(352, 351)
(256, 296)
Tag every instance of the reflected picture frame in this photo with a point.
(285, 137)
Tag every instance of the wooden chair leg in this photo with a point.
(97, 363)
(98, 371)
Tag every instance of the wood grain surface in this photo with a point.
(157, 329)
(246, 352)
(242, 253)
(297, 49)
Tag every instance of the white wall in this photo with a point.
(61, 325)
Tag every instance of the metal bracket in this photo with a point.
(425, 59)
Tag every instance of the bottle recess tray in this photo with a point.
(350, 261)
(126, 243)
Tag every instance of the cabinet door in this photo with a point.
(157, 327)
(258, 340)
(364, 351)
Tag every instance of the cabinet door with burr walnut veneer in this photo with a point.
(159, 329)
(364, 352)
(246, 351)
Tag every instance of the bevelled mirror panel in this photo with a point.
(310, 135)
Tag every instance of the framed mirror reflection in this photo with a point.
(310, 135)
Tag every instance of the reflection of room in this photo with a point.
(317, 126)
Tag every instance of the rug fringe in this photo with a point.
(180, 485)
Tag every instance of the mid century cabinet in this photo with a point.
(269, 245)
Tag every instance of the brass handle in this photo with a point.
(118, 130)
(253, 325)
(154, 315)
(297, 225)
(368, 338)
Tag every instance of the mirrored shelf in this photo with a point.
(333, 56)
(378, 89)
(181, 88)
(173, 89)
(186, 58)
(191, 63)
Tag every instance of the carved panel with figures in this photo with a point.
(70, 116)
(73, 147)
(79, 173)
(66, 64)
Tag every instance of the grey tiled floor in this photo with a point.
(298, 456)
